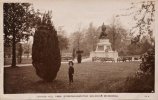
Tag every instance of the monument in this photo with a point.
(103, 50)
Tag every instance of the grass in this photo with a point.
(8, 61)
(88, 78)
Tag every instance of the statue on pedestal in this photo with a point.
(103, 50)
(103, 34)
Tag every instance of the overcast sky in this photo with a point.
(72, 13)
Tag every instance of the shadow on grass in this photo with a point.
(88, 78)
(54, 82)
(24, 80)
(40, 86)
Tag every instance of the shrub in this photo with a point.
(139, 83)
(143, 80)
(45, 51)
(79, 58)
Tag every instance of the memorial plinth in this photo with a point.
(103, 50)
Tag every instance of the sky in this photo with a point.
(72, 14)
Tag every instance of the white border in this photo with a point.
(51, 96)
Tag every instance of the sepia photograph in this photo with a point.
(79, 46)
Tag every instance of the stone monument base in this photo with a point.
(104, 52)
(104, 56)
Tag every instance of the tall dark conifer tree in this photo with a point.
(45, 51)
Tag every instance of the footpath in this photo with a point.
(75, 61)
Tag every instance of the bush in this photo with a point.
(45, 51)
(143, 80)
(148, 62)
(79, 58)
(140, 83)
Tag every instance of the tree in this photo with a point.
(20, 52)
(91, 37)
(46, 56)
(145, 19)
(142, 46)
(117, 35)
(27, 46)
(18, 18)
(114, 33)
(63, 39)
(73, 53)
(144, 16)
(63, 42)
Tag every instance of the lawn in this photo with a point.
(8, 61)
(89, 77)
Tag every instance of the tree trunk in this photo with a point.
(114, 34)
(13, 51)
(73, 53)
(14, 44)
